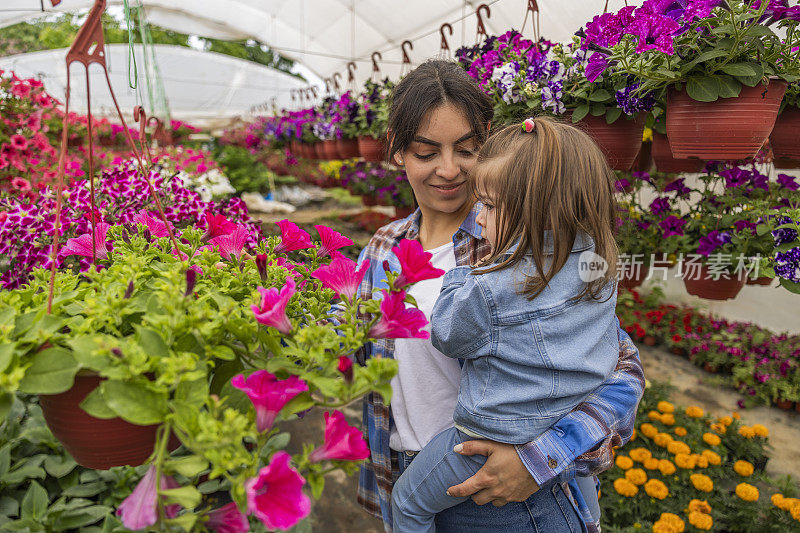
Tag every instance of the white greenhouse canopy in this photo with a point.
(324, 35)
(201, 87)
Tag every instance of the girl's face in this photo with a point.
(438, 161)
(487, 220)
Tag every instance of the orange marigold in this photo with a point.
(712, 456)
(662, 439)
(702, 482)
(624, 462)
(665, 407)
(743, 468)
(725, 421)
(701, 520)
(668, 419)
(665, 527)
(719, 428)
(777, 500)
(640, 454)
(625, 487)
(656, 489)
(637, 476)
(675, 447)
(680, 431)
(666, 467)
(694, 411)
(747, 492)
(760, 430)
(651, 463)
(685, 461)
(701, 506)
(747, 432)
(648, 430)
(700, 461)
(673, 521)
(711, 439)
(735, 415)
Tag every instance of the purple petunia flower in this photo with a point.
(787, 265)
(787, 182)
(784, 235)
(655, 32)
(741, 225)
(672, 225)
(735, 177)
(659, 206)
(712, 241)
(678, 187)
(631, 101)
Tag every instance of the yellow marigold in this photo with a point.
(760, 430)
(712, 456)
(700, 461)
(777, 500)
(665, 407)
(694, 412)
(743, 468)
(664, 527)
(735, 415)
(666, 467)
(747, 432)
(702, 482)
(651, 463)
(647, 135)
(636, 476)
(719, 428)
(662, 439)
(795, 510)
(711, 439)
(640, 454)
(624, 462)
(675, 447)
(625, 487)
(789, 503)
(747, 492)
(654, 415)
(701, 520)
(673, 520)
(648, 430)
(685, 461)
(656, 489)
(701, 506)
(680, 431)
(668, 419)
(725, 421)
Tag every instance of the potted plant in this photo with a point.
(347, 109)
(785, 136)
(373, 117)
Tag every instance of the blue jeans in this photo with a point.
(419, 500)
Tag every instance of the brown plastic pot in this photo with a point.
(631, 280)
(703, 286)
(785, 136)
(369, 200)
(781, 162)
(372, 149)
(677, 350)
(348, 148)
(620, 141)
(296, 148)
(711, 369)
(763, 280)
(662, 155)
(786, 405)
(96, 443)
(330, 150)
(319, 150)
(730, 128)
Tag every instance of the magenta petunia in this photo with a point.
(396, 321)
(342, 276)
(276, 495)
(672, 226)
(82, 245)
(292, 238)
(331, 240)
(217, 225)
(415, 263)
(272, 311)
(227, 519)
(19, 142)
(655, 32)
(595, 66)
(342, 441)
(268, 394)
(233, 243)
(155, 225)
(139, 510)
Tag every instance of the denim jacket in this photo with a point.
(527, 363)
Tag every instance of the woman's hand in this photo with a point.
(501, 480)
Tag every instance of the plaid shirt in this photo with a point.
(579, 444)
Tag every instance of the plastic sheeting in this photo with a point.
(200, 86)
(325, 34)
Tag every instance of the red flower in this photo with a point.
(217, 225)
(346, 368)
(227, 519)
(677, 338)
(276, 496)
(272, 311)
(415, 263)
(268, 394)
(82, 245)
(342, 441)
(232, 243)
(397, 322)
(19, 142)
(292, 238)
(155, 225)
(342, 276)
(331, 240)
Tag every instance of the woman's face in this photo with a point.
(438, 161)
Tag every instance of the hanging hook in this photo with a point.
(336, 77)
(293, 95)
(481, 26)
(533, 11)
(351, 68)
(313, 90)
(447, 25)
(375, 67)
(406, 59)
(328, 83)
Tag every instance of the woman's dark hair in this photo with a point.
(432, 84)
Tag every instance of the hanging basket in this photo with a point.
(620, 141)
(369, 200)
(96, 443)
(703, 286)
(372, 149)
(296, 148)
(330, 150)
(763, 280)
(662, 155)
(785, 136)
(730, 128)
(348, 148)
(631, 280)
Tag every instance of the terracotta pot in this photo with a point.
(372, 149)
(763, 280)
(678, 351)
(92, 442)
(649, 340)
(620, 141)
(330, 150)
(348, 148)
(797, 407)
(662, 155)
(784, 163)
(708, 367)
(306, 151)
(785, 136)
(296, 148)
(786, 405)
(403, 212)
(319, 150)
(730, 128)
(369, 200)
(704, 287)
(631, 280)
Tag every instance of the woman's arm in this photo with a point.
(578, 444)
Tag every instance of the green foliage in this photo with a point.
(245, 172)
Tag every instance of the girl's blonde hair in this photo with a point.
(553, 178)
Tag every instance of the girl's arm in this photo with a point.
(461, 319)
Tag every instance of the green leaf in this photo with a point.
(5, 459)
(580, 112)
(613, 114)
(187, 497)
(597, 110)
(729, 87)
(6, 352)
(34, 504)
(600, 95)
(301, 402)
(81, 518)
(8, 506)
(709, 54)
(185, 522)
(52, 371)
(135, 402)
(86, 490)
(275, 443)
(703, 89)
(750, 81)
(192, 392)
(6, 401)
(743, 69)
(152, 343)
(790, 286)
(24, 473)
(59, 465)
(95, 405)
(188, 466)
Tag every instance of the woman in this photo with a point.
(438, 121)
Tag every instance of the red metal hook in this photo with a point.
(328, 83)
(481, 26)
(141, 117)
(447, 25)
(406, 59)
(351, 67)
(336, 77)
(375, 67)
(533, 11)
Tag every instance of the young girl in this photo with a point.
(535, 324)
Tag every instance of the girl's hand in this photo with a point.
(502, 479)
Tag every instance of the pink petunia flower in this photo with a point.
(82, 245)
(273, 306)
(331, 240)
(218, 225)
(415, 263)
(20, 184)
(342, 441)
(19, 142)
(227, 519)
(292, 238)
(232, 243)
(342, 276)
(139, 510)
(268, 394)
(276, 495)
(345, 366)
(154, 224)
(396, 321)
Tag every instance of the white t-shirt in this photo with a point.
(425, 389)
